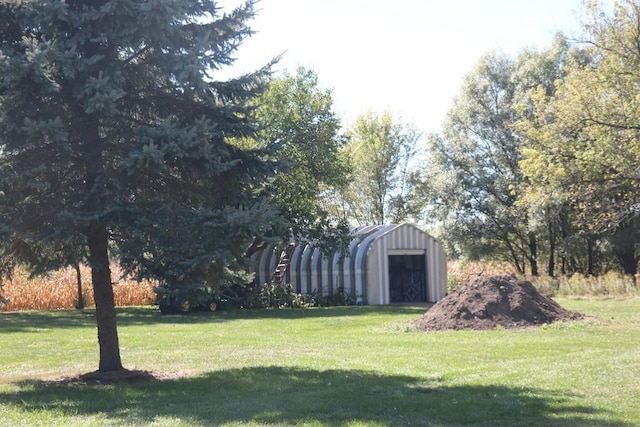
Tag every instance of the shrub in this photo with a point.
(284, 296)
(274, 295)
(334, 298)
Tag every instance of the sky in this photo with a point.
(408, 57)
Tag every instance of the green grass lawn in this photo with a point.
(343, 366)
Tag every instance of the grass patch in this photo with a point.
(346, 366)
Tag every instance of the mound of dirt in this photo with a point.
(490, 302)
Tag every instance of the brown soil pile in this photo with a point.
(490, 302)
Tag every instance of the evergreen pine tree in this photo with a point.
(114, 139)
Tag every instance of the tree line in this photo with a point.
(118, 143)
(537, 162)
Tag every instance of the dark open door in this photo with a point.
(407, 278)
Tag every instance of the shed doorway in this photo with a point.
(408, 278)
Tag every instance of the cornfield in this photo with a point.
(59, 290)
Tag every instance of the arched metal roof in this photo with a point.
(363, 270)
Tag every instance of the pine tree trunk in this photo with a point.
(98, 240)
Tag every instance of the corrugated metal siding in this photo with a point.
(398, 238)
(364, 271)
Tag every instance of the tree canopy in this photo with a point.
(538, 156)
(380, 150)
(474, 177)
(295, 114)
(584, 140)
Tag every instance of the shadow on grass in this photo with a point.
(34, 321)
(25, 321)
(314, 312)
(291, 396)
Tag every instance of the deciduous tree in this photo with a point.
(473, 174)
(381, 151)
(474, 167)
(297, 115)
(584, 141)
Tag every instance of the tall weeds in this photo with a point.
(611, 285)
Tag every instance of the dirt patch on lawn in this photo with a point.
(97, 378)
(491, 302)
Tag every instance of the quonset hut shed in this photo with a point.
(384, 264)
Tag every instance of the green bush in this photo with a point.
(274, 295)
(284, 296)
(335, 298)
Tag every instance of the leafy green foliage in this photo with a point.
(583, 141)
(296, 115)
(273, 295)
(473, 174)
(381, 151)
(490, 183)
(339, 297)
